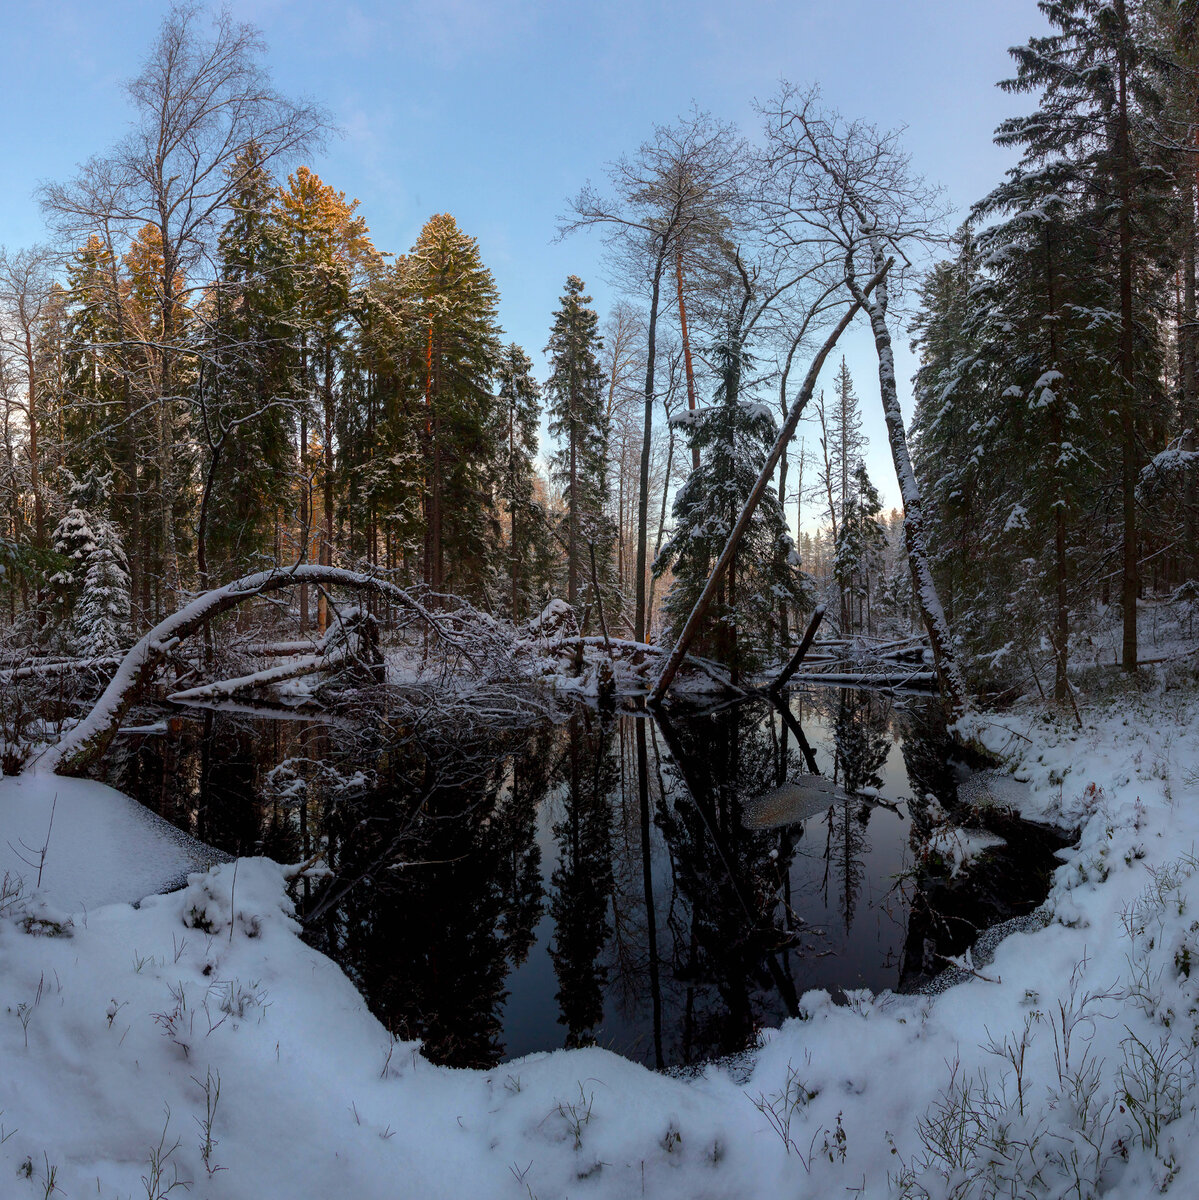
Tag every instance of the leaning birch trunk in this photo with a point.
(949, 674)
(691, 628)
(91, 737)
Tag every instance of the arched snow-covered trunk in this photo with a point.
(90, 738)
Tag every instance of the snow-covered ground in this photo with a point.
(194, 1039)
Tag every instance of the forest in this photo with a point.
(601, 751)
(210, 370)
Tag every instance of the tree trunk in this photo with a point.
(800, 651)
(1061, 621)
(1188, 344)
(39, 516)
(647, 886)
(1130, 583)
(953, 684)
(686, 354)
(639, 630)
(572, 528)
(322, 612)
(661, 518)
(170, 562)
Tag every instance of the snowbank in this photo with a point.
(1070, 1067)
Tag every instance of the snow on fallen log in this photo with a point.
(624, 649)
(912, 679)
(226, 688)
(90, 738)
(282, 649)
(65, 666)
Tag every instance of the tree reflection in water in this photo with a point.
(582, 879)
(497, 891)
(861, 743)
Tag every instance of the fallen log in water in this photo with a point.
(801, 650)
(628, 649)
(896, 679)
(224, 688)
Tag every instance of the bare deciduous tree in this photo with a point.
(668, 197)
(857, 193)
(26, 287)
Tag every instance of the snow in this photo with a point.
(756, 411)
(1017, 518)
(121, 1025)
(689, 416)
(94, 827)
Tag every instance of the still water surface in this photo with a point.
(612, 878)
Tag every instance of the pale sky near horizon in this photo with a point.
(499, 111)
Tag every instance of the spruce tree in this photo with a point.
(94, 585)
(252, 374)
(1088, 132)
(91, 396)
(859, 547)
(575, 391)
(734, 436)
(518, 413)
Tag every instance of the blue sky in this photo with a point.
(498, 111)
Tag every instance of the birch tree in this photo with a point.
(858, 195)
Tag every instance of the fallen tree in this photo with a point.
(859, 192)
(89, 739)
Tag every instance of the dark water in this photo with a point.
(610, 879)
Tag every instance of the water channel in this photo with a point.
(661, 886)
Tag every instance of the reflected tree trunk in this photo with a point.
(647, 877)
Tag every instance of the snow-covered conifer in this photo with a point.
(733, 436)
(94, 583)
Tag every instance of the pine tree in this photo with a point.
(575, 391)
(327, 245)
